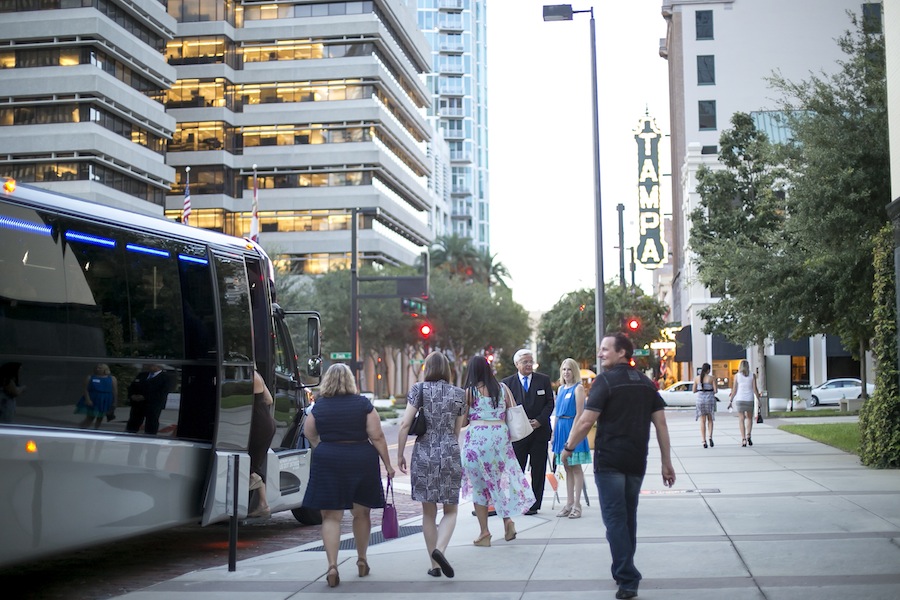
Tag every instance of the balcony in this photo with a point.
(450, 4)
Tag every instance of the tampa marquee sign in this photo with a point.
(651, 250)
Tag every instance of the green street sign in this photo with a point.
(414, 307)
(341, 355)
(642, 352)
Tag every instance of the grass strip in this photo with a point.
(843, 436)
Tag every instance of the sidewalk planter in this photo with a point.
(778, 404)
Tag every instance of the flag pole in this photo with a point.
(186, 209)
(254, 216)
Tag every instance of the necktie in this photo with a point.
(525, 383)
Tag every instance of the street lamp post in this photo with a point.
(355, 363)
(564, 12)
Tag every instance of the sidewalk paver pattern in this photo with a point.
(787, 518)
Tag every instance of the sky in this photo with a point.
(540, 137)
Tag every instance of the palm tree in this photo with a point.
(491, 271)
(455, 254)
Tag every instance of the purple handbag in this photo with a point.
(390, 526)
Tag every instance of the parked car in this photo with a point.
(682, 394)
(834, 390)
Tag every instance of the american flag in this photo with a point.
(186, 210)
(254, 219)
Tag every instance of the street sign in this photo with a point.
(641, 352)
(341, 355)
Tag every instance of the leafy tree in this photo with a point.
(839, 187)
(879, 418)
(567, 329)
(737, 239)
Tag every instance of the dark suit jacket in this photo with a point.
(538, 401)
(153, 389)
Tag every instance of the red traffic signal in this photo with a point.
(632, 324)
(425, 330)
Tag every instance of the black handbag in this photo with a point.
(418, 426)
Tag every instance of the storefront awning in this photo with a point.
(683, 347)
(722, 349)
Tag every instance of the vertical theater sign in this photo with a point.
(651, 251)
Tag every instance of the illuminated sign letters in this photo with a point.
(651, 250)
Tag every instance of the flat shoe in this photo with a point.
(260, 513)
(576, 513)
(625, 594)
(484, 540)
(564, 512)
(509, 533)
(440, 559)
(435, 572)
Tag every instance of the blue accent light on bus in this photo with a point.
(193, 259)
(10, 223)
(90, 239)
(146, 250)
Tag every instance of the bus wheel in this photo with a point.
(307, 516)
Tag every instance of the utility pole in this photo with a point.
(621, 208)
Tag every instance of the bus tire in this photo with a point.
(307, 516)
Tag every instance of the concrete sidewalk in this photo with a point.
(785, 518)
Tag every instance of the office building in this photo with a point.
(719, 54)
(457, 32)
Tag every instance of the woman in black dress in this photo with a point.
(345, 432)
(436, 466)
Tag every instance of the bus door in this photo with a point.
(234, 408)
(297, 368)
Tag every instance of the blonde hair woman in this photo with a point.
(345, 431)
(569, 406)
(743, 392)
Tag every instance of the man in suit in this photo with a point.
(147, 394)
(533, 391)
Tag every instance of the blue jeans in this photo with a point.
(618, 494)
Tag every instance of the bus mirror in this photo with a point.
(314, 366)
(312, 336)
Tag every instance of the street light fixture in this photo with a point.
(564, 12)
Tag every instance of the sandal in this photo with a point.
(333, 577)
(749, 441)
(509, 531)
(483, 540)
(744, 443)
(564, 512)
(576, 513)
(363, 567)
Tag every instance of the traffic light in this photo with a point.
(633, 324)
(425, 330)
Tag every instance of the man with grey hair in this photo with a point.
(534, 391)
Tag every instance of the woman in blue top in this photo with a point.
(100, 397)
(569, 406)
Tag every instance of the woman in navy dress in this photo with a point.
(569, 406)
(436, 466)
(345, 432)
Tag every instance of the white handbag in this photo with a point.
(517, 422)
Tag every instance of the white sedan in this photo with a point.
(834, 390)
(682, 394)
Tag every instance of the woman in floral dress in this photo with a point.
(491, 473)
(435, 467)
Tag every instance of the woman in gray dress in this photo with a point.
(436, 466)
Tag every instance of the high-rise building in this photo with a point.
(317, 105)
(457, 32)
(720, 53)
(81, 87)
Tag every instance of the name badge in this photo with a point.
(541, 392)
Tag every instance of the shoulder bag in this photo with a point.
(419, 426)
(390, 526)
(517, 421)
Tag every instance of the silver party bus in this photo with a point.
(92, 291)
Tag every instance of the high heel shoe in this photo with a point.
(333, 577)
(749, 441)
(483, 540)
(509, 531)
(744, 443)
(711, 445)
(363, 567)
(704, 444)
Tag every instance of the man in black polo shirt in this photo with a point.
(623, 402)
